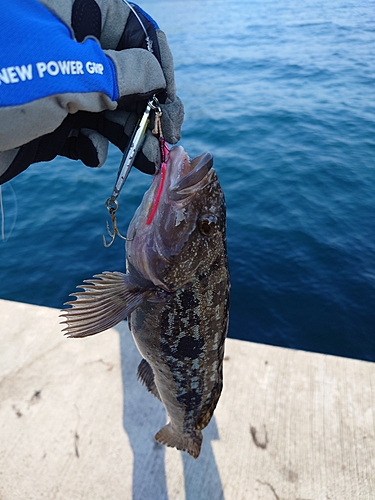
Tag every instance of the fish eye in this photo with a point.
(207, 225)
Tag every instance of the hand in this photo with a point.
(117, 126)
(92, 131)
(86, 128)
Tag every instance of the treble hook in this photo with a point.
(112, 207)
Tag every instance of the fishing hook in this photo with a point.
(112, 207)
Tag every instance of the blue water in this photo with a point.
(282, 94)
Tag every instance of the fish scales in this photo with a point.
(190, 330)
(179, 267)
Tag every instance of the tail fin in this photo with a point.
(191, 443)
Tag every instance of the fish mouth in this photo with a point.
(186, 176)
(166, 220)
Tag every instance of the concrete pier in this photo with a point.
(76, 424)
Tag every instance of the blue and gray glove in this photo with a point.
(76, 75)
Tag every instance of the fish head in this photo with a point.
(171, 242)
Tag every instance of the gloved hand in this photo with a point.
(85, 127)
(90, 133)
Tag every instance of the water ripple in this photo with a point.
(282, 95)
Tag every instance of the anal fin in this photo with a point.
(190, 442)
(146, 376)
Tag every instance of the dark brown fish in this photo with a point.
(175, 293)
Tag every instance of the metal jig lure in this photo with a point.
(126, 164)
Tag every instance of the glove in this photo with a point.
(90, 133)
(84, 134)
(117, 126)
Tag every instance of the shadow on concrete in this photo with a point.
(202, 478)
(143, 416)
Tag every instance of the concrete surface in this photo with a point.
(76, 424)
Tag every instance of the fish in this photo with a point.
(175, 295)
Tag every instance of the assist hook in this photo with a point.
(112, 209)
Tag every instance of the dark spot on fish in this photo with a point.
(190, 347)
(190, 400)
(184, 379)
(217, 264)
(203, 280)
(189, 299)
(187, 347)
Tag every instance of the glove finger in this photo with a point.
(139, 74)
(23, 159)
(86, 145)
(172, 119)
(143, 164)
(43, 148)
(100, 144)
(148, 159)
(111, 130)
(120, 126)
(127, 120)
(151, 152)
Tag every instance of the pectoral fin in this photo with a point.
(106, 300)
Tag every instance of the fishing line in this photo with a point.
(148, 40)
(2, 210)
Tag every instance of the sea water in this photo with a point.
(282, 94)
